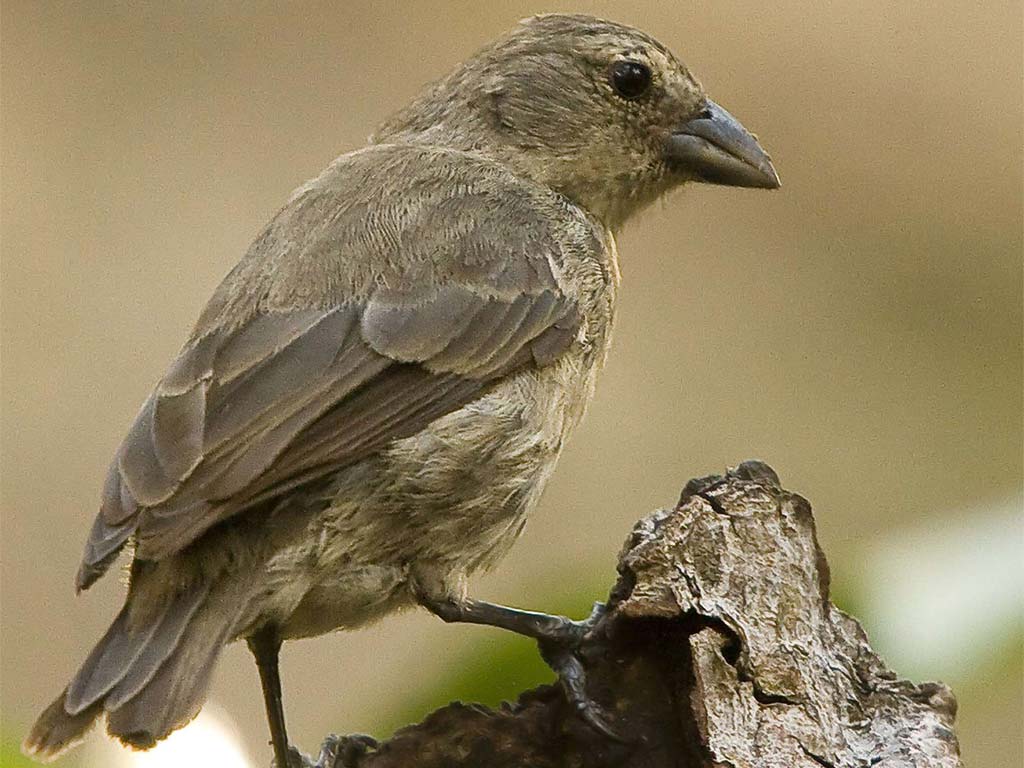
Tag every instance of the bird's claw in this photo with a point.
(345, 751)
(572, 634)
(561, 655)
(336, 752)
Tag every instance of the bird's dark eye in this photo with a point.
(630, 79)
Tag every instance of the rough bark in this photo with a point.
(720, 647)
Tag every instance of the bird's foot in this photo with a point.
(561, 653)
(295, 760)
(344, 751)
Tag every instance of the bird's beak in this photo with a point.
(715, 148)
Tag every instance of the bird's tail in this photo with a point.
(149, 678)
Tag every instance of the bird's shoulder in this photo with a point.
(410, 219)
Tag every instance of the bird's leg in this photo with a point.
(265, 645)
(558, 637)
(558, 630)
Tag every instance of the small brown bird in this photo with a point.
(372, 401)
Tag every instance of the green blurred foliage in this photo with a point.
(11, 757)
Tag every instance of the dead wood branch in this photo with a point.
(720, 648)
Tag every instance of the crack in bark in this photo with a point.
(817, 758)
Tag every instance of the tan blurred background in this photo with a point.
(860, 330)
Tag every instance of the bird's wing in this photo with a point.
(356, 319)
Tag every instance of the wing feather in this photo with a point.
(275, 392)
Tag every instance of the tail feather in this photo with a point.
(157, 649)
(172, 698)
(149, 679)
(56, 731)
(108, 661)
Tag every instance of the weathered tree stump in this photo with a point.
(720, 648)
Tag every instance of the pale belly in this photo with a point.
(436, 507)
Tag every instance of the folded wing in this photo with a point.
(253, 408)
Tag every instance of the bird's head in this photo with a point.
(598, 111)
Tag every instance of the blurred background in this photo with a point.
(860, 330)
